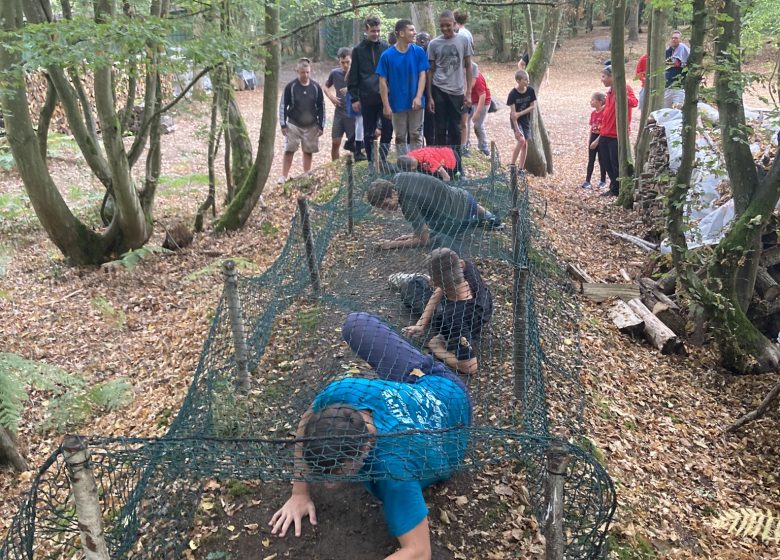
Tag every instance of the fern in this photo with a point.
(73, 409)
(130, 259)
(12, 395)
(16, 375)
(750, 522)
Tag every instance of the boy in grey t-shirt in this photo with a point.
(449, 80)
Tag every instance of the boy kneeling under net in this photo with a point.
(353, 430)
(428, 204)
(454, 305)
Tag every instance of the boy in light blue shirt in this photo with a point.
(402, 73)
(355, 429)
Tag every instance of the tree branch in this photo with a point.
(758, 412)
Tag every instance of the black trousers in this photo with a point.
(608, 150)
(449, 109)
(371, 118)
(592, 154)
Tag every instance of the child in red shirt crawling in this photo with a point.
(439, 161)
(597, 101)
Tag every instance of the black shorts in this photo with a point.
(526, 128)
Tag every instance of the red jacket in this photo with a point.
(609, 118)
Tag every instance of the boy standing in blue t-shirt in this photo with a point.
(341, 433)
(402, 70)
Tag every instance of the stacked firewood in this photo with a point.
(653, 182)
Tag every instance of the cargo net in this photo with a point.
(343, 323)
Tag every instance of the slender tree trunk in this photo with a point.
(633, 20)
(239, 210)
(654, 83)
(539, 160)
(424, 18)
(626, 198)
(529, 27)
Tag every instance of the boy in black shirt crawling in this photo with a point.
(456, 304)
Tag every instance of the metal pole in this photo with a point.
(308, 240)
(513, 184)
(85, 498)
(350, 195)
(236, 324)
(552, 523)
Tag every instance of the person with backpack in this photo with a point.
(301, 118)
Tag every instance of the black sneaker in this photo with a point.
(491, 221)
(360, 156)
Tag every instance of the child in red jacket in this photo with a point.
(597, 101)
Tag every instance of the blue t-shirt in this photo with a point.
(400, 466)
(402, 72)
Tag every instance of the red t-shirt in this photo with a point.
(480, 87)
(609, 117)
(431, 158)
(595, 121)
(641, 69)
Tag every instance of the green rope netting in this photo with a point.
(524, 402)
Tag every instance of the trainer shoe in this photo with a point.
(399, 280)
(602, 184)
(281, 180)
(585, 185)
(491, 221)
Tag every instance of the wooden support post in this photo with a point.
(8, 451)
(377, 158)
(350, 195)
(519, 314)
(236, 318)
(85, 498)
(308, 240)
(552, 524)
(493, 163)
(513, 184)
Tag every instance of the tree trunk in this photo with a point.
(77, 242)
(240, 208)
(529, 29)
(633, 20)
(502, 37)
(322, 40)
(626, 198)
(424, 18)
(9, 453)
(539, 159)
(654, 83)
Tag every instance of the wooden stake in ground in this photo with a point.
(85, 498)
(9, 452)
(552, 524)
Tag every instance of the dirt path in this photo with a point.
(656, 420)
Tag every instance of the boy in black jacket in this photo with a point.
(363, 86)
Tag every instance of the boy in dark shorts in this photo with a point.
(456, 304)
(428, 204)
(521, 100)
(340, 435)
(343, 124)
(439, 161)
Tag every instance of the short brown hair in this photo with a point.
(334, 435)
(444, 268)
(372, 21)
(461, 16)
(599, 96)
(379, 191)
(406, 163)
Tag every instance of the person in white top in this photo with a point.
(461, 17)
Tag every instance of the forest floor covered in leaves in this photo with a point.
(657, 421)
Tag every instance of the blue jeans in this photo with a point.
(391, 355)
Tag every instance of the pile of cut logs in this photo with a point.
(653, 183)
(640, 308)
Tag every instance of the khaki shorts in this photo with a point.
(306, 138)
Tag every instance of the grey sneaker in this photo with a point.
(602, 184)
(585, 185)
(398, 280)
